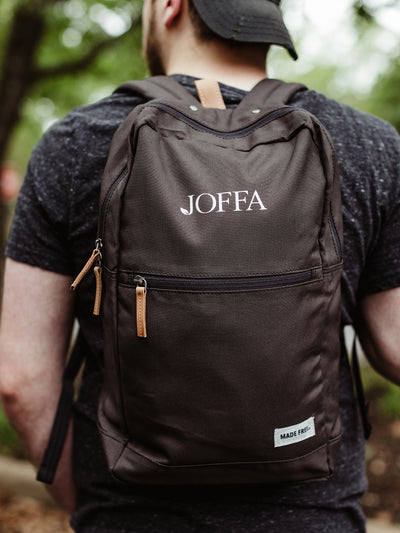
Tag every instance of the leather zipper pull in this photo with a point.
(92, 259)
(141, 293)
(99, 290)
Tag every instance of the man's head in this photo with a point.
(232, 23)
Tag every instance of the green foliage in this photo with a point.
(10, 443)
(73, 29)
(114, 65)
(319, 77)
(390, 401)
(385, 98)
(383, 395)
(346, 68)
(74, 26)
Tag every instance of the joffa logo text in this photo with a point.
(221, 202)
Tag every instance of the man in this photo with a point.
(55, 227)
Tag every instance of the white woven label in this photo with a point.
(293, 434)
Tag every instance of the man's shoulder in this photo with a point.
(342, 120)
(104, 113)
(98, 121)
(85, 130)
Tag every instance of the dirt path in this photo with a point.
(19, 514)
(25, 505)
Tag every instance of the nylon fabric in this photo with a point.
(231, 195)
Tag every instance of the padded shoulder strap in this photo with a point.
(266, 92)
(271, 92)
(158, 87)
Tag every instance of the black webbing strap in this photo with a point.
(363, 406)
(62, 418)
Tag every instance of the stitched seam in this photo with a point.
(282, 461)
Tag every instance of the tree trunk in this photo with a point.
(17, 70)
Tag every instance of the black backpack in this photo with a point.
(219, 256)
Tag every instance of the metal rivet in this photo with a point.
(256, 111)
(194, 108)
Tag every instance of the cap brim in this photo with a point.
(251, 21)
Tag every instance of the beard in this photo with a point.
(152, 49)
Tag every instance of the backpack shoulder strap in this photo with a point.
(158, 87)
(359, 389)
(267, 91)
(271, 92)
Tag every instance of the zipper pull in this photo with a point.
(141, 292)
(99, 290)
(94, 258)
(85, 269)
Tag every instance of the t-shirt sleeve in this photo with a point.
(382, 269)
(55, 223)
(39, 233)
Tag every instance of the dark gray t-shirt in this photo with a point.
(55, 228)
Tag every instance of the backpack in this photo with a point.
(219, 260)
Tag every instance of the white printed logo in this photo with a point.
(221, 202)
(293, 434)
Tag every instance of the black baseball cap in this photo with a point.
(251, 21)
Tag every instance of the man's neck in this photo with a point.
(227, 66)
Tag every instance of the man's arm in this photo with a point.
(36, 321)
(380, 332)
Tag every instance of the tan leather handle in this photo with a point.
(210, 94)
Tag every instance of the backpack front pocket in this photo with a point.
(215, 381)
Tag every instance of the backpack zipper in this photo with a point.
(106, 202)
(242, 132)
(95, 259)
(148, 282)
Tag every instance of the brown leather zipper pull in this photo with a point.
(99, 290)
(92, 259)
(141, 293)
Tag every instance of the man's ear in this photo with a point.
(172, 10)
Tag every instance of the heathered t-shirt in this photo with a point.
(55, 228)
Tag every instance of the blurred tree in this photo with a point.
(366, 10)
(384, 100)
(44, 40)
(363, 12)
